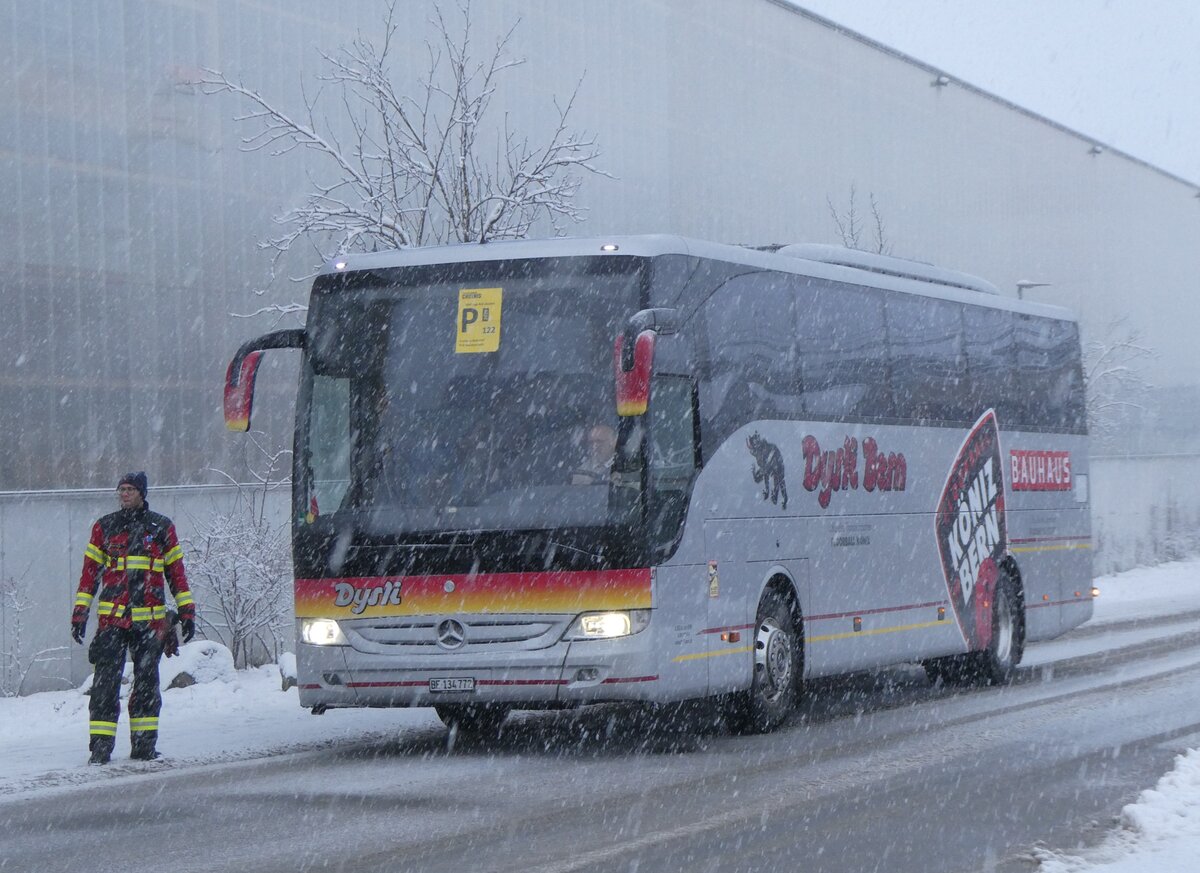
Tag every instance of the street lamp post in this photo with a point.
(1024, 285)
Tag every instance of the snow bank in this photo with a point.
(1160, 832)
(201, 661)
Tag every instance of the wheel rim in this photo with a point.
(773, 660)
(1004, 630)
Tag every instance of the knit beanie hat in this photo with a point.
(137, 480)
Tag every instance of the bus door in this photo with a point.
(672, 462)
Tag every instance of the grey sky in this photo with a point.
(1126, 72)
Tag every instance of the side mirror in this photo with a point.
(633, 381)
(239, 390)
(633, 358)
(243, 370)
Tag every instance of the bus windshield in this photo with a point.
(417, 417)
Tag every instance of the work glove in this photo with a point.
(170, 639)
(78, 629)
(188, 626)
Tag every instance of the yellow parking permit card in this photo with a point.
(478, 327)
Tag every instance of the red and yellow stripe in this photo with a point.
(550, 592)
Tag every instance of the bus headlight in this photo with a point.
(606, 625)
(322, 632)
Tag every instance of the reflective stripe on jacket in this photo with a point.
(133, 554)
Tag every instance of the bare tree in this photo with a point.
(1116, 387)
(419, 164)
(241, 565)
(850, 225)
(15, 663)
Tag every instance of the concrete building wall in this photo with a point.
(1145, 510)
(42, 538)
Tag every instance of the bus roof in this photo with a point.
(833, 263)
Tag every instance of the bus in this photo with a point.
(542, 474)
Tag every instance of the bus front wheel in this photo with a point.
(778, 661)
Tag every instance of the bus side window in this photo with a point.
(751, 346)
(673, 453)
(991, 364)
(842, 334)
(329, 442)
(1047, 372)
(928, 363)
(672, 428)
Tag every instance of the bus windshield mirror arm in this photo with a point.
(663, 322)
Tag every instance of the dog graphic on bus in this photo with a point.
(768, 469)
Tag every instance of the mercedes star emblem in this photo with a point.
(451, 634)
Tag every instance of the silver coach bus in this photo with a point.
(550, 473)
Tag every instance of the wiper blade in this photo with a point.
(595, 556)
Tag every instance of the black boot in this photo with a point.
(101, 750)
(143, 747)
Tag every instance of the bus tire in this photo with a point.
(996, 664)
(473, 718)
(778, 663)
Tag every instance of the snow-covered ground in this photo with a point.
(1160, 833)
(230, 715)
(1161, 830)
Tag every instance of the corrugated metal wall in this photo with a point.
(132, 216)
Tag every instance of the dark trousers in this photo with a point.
(107, 653)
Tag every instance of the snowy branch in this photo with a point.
(849, 224)
(1114, 380)
(15, 663)
(241, 566)
(407, 166)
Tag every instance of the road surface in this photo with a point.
(875, 772)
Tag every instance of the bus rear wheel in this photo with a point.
(996, 664)
(473, 718)
(778, 662)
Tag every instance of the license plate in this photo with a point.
(458, 683)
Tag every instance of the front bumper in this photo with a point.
(560, 674)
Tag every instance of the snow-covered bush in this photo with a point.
(15, 660)
(287, 670)
(198, 662)
(240, 567)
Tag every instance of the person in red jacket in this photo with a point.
(130, 553)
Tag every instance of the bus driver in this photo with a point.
(600, 443)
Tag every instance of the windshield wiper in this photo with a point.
(555, 544)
